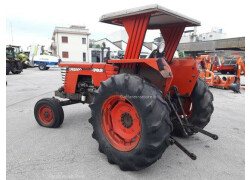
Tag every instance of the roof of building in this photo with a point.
(149, 45)
(74, 29)
(159, 16)
(108, 41)
(212, 45)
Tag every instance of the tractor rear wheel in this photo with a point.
(7, 68)
(198, 108)
(130, 121)
(49, 113)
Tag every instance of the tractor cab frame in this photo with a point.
(162, 71)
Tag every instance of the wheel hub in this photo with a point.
(45, 114)
(127, 120)
(120, 123)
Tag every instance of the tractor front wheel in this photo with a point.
(130, 121)
(198, 108)
(17, 68)
(49, 113)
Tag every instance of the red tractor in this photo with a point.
(137, 105)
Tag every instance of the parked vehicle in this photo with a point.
(229, 82)
(13, 62)
(137, 105)
(228, 65)
(40, 58)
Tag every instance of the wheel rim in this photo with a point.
(120, 123)
(42, 66)
(45, 114)
(187, 106)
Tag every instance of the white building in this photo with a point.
(117, 49)
(71, 44)
(192, 35)
(95, 54)
(120, 35)
(214, 34)
(150, 45)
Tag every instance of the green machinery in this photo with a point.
(14, 60)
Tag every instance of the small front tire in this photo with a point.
(17, 68)
(49, 113)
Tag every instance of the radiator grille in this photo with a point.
(63, 72)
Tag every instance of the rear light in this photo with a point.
(164, 68)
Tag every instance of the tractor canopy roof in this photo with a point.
(136, 22)
(159, 16)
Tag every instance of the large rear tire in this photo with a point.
(200, 109)
(127, 107)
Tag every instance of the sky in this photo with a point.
(33, 22)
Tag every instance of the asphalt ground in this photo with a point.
(70, 152)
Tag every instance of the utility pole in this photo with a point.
(11, 33)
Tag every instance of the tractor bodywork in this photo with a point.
(163, 71)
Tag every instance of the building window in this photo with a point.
(83, 40)
(95, 56)
(64, 39)
(65, 54)
(84, 57)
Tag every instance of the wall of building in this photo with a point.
(74, 47)
(193, 36)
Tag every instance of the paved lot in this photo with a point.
(69, 152)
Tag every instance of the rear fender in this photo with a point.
(157, 71)
(185, 74)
